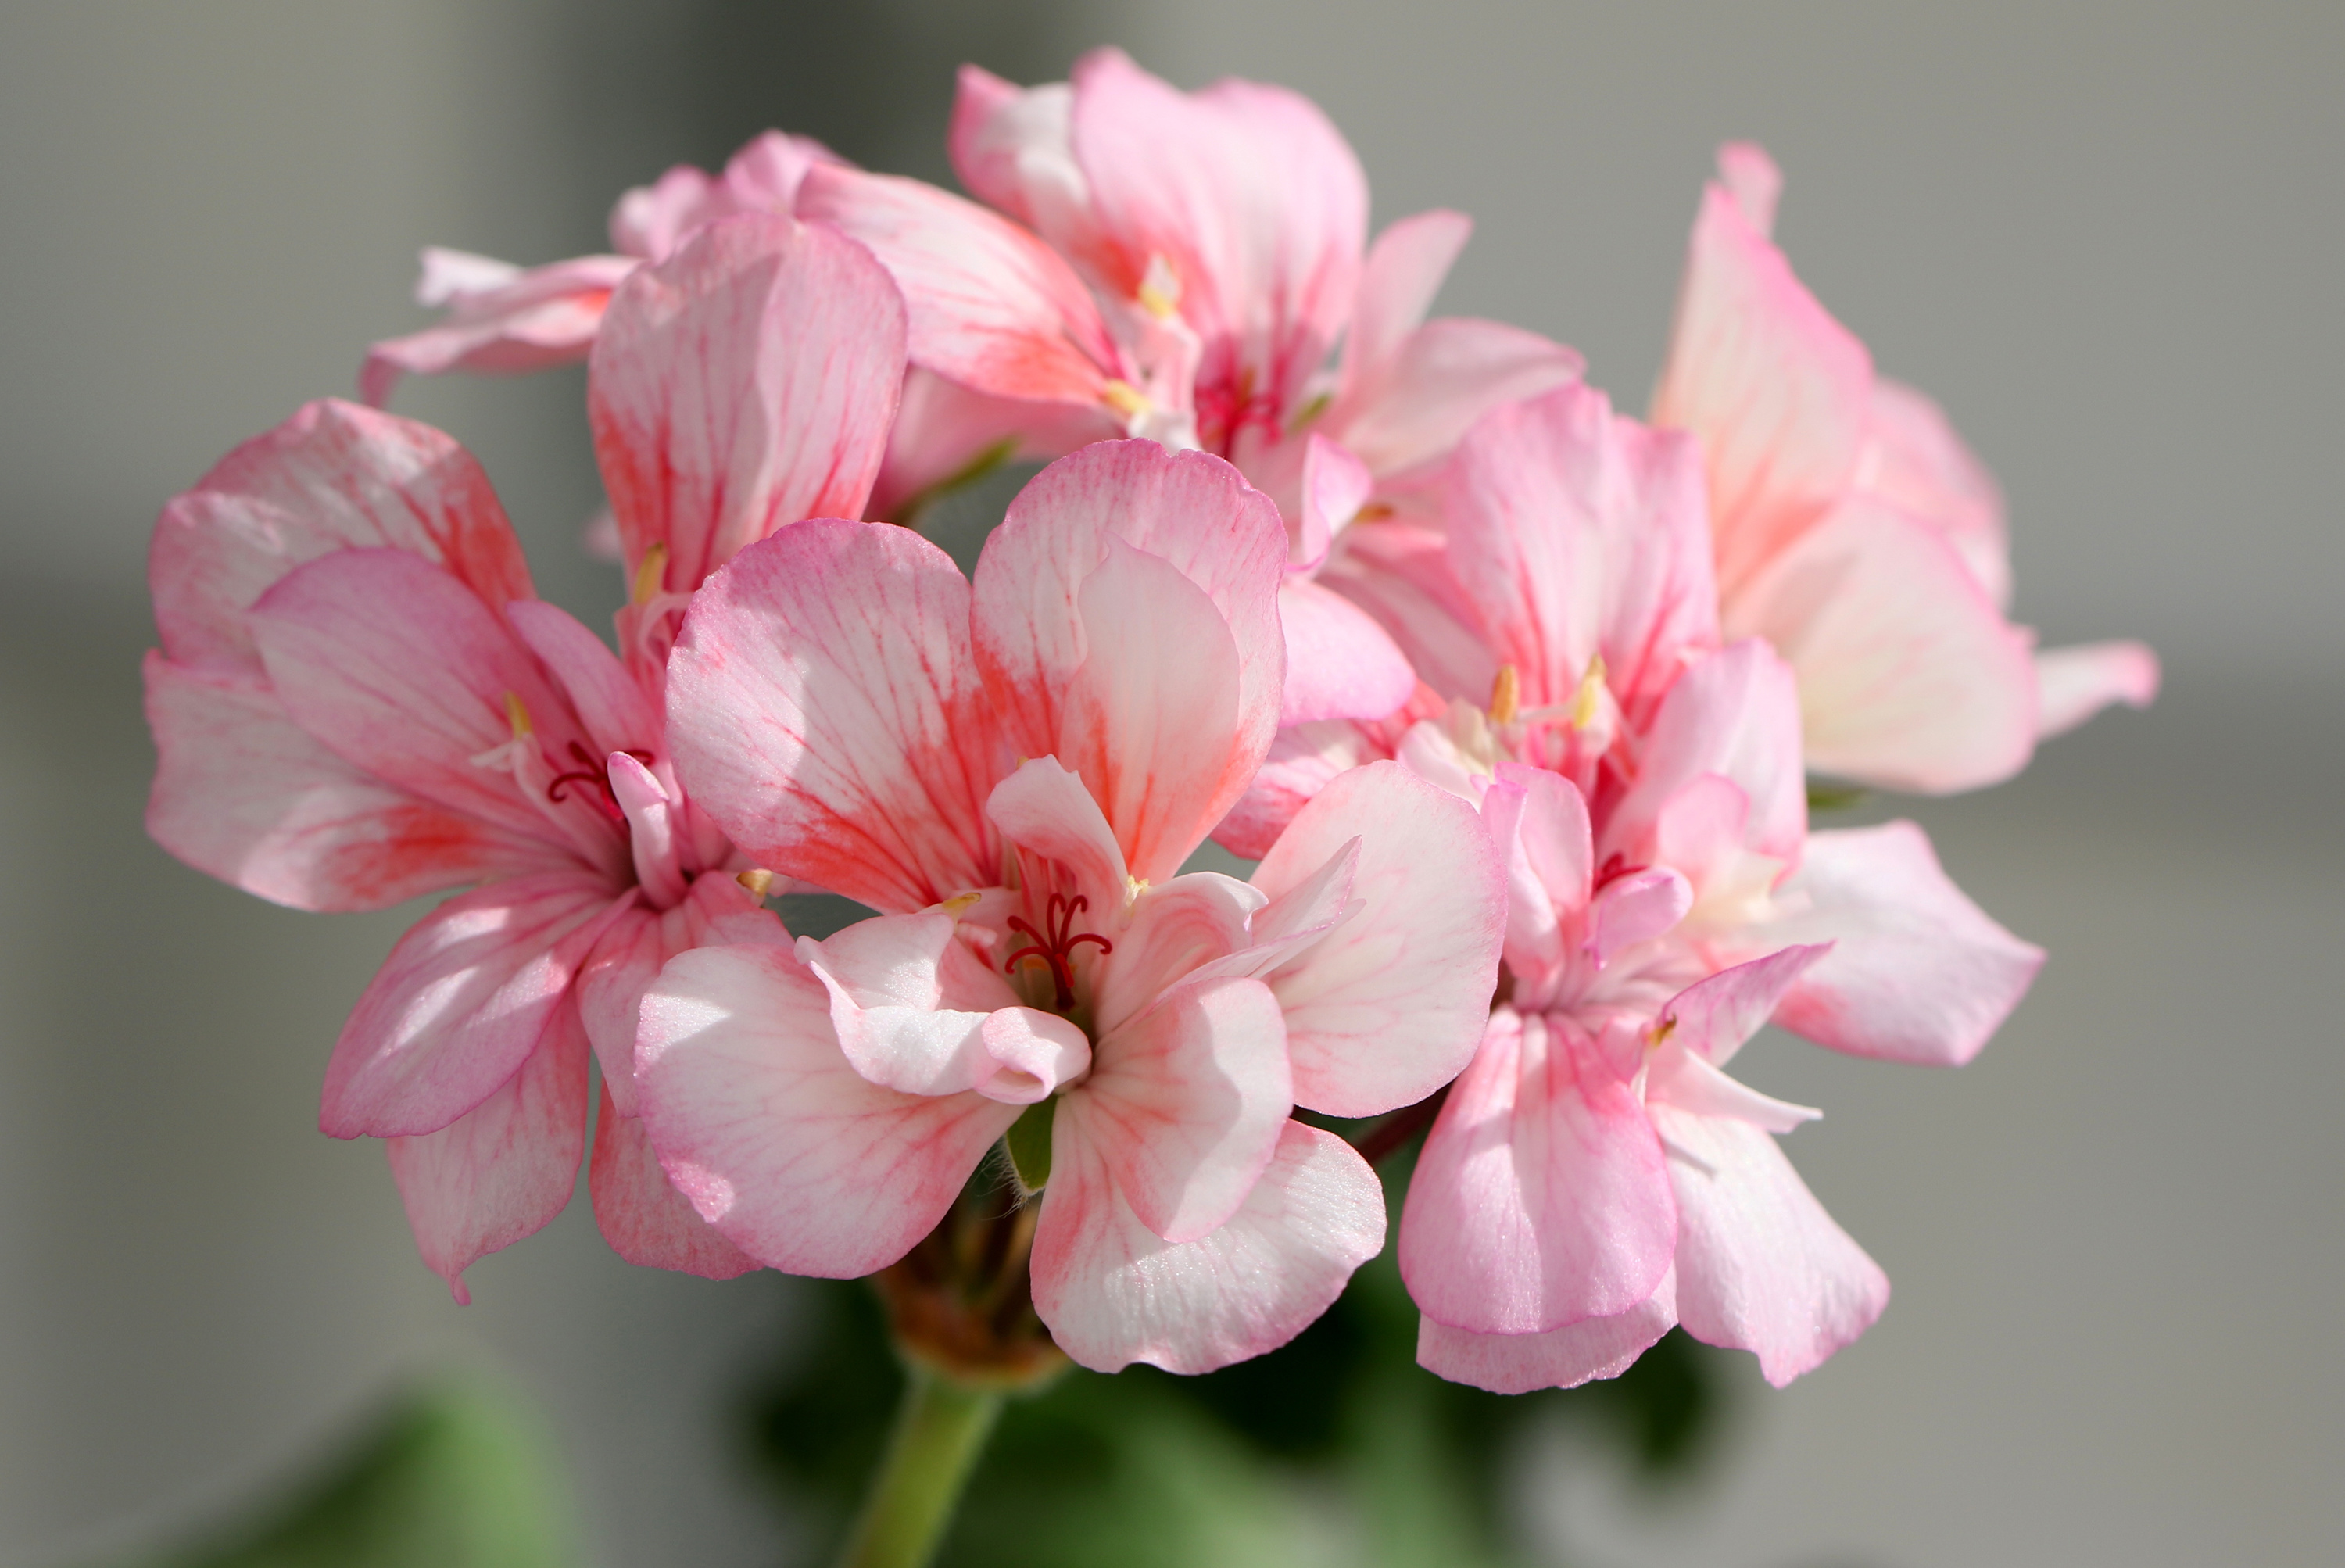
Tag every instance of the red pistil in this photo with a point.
(1616, 866)
(605, 799)
(1058, 948)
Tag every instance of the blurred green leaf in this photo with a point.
(455, 1473)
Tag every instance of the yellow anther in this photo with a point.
(1124, 398)
(1132, 888)
(1585, 703)
(1506, 695)
(651, 574)
(517, 714)
(758, 879)
(1160, 289)
(1663, 1031)
(959, 901)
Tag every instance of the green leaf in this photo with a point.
(1028, 1143)
(455, 1474)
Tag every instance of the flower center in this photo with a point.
(599, 778)
(1055, 944)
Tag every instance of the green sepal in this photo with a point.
(1836, 797)
(1028, 1144)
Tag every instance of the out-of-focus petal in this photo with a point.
(763, 176)
(1398, 284)
(1399, 572)
(1760, 1266)
(1427, 394)
(823, 709)
(1917, 971)
(1013, 148)
(2072, 684)
(528, 321)
(1185, 1105)
(1114, 1292)
(1541, 1197)
(799, 1161)
(334, 476)
(990, 305)
(645, 1220)
(1914, 462)
(1910, 677)
(1339, 663)
(945, 430)
(244, 793)
(744, 383)
(467, 995)
(1562, 1357)
(1390, 1004)
(506, 1167)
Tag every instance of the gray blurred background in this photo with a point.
(2107, 236)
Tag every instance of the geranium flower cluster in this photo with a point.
(1514, 699)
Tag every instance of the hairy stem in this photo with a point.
(940, 1429)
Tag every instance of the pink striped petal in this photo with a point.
(1339, 663)
(1390, 1004)
(468, 994)
(506, 1167)
(1404, 271)
(1302, 761)
(1045, 809)
(744, 383)
(498, 325)
(1562, 1357)
(1910, 678)
(244, 793)
(1715, 1017)
(1917, 973)
(1185, 1105)
(334, 476)
(823, 710)
(1415, 405)
(1780, 393)
(1760, 1266)
(718, 912)
(645, 1220)
(1541, 1197)
(759, 1121)
(1735, 715)
(618, 712)
(1578, 534)
(2072, 684)
(889, 980)
(1114, 1292)
(990, 305)
(1171, 933)
(1399, 572)
(1915, 463)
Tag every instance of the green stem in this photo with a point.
(939, 1430)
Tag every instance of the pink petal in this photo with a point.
(1562, 1357)
(1301, 763)
(1399, 572)
(1679, 1078)
(823, 710)
(1045, 808)
(1185, 1105)
(1390, 1005)
(1909, 676)
(1780, 393)
(1403, 273)
(1416, 403)
(990, 306)
(1735, 715)
(651, 220)
(1334, 485)
(1163, 694)
(468, 994)
(1578, 534)
(744, 383)
(1917, 971)
(1750, 177)
(888, 980)
(1339, 663)
(400, 670)
(1914, 462)
(244, 793)
(618, 714)
(1246, 193)
(1636, 908)
(1172, 931)
(331, 477)
(1541, 1197)
(506, 1168)
(507, 324)
(1114, 1292)
(2072, 684)
(1760, 1266)
(759, 1121)
(645, 1220)
(717, 912)
(1716, 1017)
(1540, 819)
(942, 428)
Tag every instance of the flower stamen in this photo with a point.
(1058, 948)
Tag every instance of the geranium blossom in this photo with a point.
(359, 699)
(1014, 771)
(1182, 266)
(1854, 531)
(505, 320)
(1594, 1177)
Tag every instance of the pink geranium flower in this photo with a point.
(1853, 529)
(1594, 1177)
(1182, 266)
(359, 699)
(1014, 771)
(505, 319)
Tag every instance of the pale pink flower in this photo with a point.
(359, 699)
(1593, 1177)
(1853, 529)
(1182, 266)
(1015, 769)
(504, 320)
